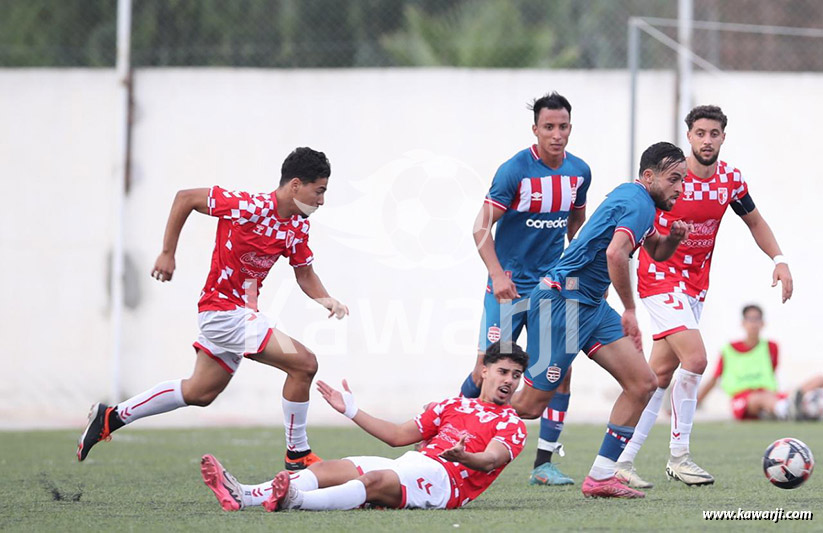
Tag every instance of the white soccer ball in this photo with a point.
(788, 463)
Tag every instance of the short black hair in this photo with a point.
(506, 350)
(306, 164)
(711, 112)
(752, 307)
(660, 156)
(552, 100)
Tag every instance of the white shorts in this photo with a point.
(425, 482)
(672, 312)
(228, 336)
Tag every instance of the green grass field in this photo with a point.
(149, 480)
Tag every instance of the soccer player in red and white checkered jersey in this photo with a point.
(470, 441)
(253, 232)
(673, 291)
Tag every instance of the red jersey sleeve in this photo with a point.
(773, 354)
(428, 422)
(299, 253)
(511, 433)
(237, 205)
(739, 187)
(719, 370)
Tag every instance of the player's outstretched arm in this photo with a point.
(310, 283)
(577, 217)
(503, 287)
(185, 202)
(494, 456)
(661, 248)
(617, 257)
(389, 432)
(765, 239)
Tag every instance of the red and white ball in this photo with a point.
(788, 463)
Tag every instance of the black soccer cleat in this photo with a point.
(96, 430)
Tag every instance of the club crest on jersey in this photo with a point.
(493, 334)
(722, 195)
(553, 373)
(289, 238)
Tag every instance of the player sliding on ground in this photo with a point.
(253, 232)
(470, 442)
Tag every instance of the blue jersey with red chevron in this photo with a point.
(537, 200)
(583, 272)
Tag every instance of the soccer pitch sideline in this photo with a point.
(149, 480)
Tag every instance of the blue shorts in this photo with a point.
(501, 321)
(553, 345)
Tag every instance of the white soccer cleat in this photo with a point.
(684, 469)
(627, 474)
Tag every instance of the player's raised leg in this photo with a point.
(207, 381)
(300, 366)
(628, 366)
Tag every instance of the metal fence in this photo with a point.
(580, 34)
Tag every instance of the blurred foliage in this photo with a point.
(379, 33)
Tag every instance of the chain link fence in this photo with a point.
(578, 34)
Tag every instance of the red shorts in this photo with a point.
(740, 404)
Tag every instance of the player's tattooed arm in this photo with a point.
(389, 432)
(185, 202)
(311, 285)
(503, 287)
(494, 456)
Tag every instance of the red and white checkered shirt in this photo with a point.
(702, 203)
(250, 239)
(447, 422)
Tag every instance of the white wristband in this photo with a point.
(780, 259)
(351, 406)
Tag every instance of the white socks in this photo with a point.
(349, 495)
(164, 397)
(684, 403)
(294, 419)
(603, 468)
(644, 425)
(255, 495)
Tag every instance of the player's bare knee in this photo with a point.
(642, 387)
(664, 378)
(529, 411)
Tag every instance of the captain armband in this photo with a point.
(743, 206)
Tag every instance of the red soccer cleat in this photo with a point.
(608, 488)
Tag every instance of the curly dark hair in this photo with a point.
(305, 164)
(711, 112)
(506, 350)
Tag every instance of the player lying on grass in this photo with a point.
(471, 440)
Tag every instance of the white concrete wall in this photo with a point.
(401, 142)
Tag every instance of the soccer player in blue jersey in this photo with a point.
(568, 310)
(536, 198)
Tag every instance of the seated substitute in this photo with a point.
(470, 441)
(746, 370)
